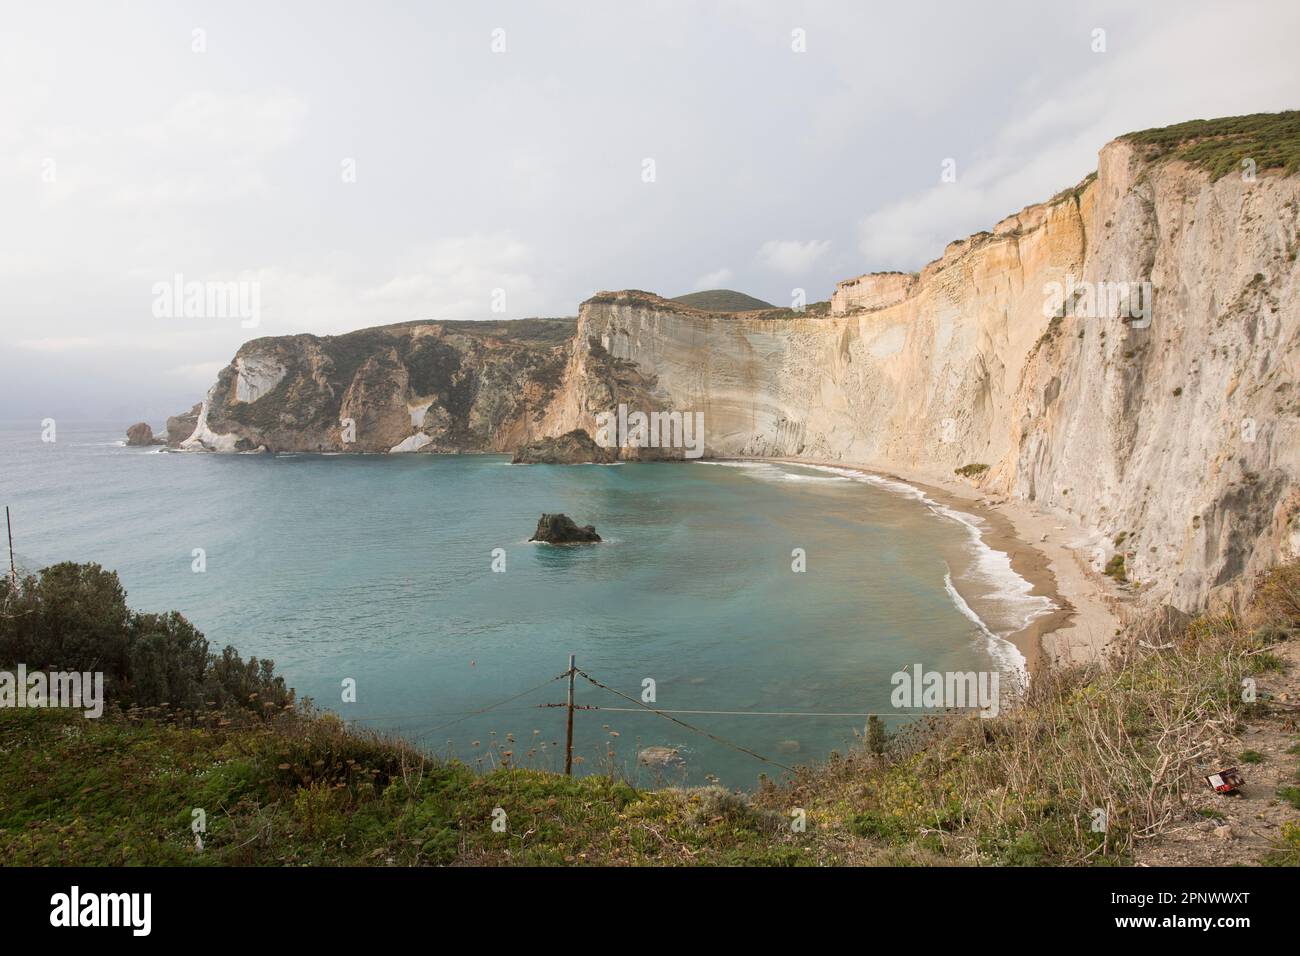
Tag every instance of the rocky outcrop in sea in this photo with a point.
(561, 529)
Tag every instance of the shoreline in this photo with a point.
(1042, 550)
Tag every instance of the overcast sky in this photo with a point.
(362, 163)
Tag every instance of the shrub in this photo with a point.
(1277, 596)
(74, 617)
(1288, 851)
(971, 470)
(877, 742)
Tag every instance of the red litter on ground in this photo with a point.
(1226, 781)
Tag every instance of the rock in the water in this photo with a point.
(659, 756)
(573, 448)
(561, 529)
(139, 434)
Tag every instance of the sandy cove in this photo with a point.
(1048, 550)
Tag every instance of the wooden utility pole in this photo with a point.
(568, 734)
(13, 568)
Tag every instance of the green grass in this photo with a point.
(1073, 193)
(722, 300)
(1218, 146)
(762, 312)
(305, 791)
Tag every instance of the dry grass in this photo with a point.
(1277, 598)
(1093, 761)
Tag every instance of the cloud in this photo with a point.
(469, 277)
(713, 280)
(64, 344)
(159, 336)
(1051, 142)
(792, 256)
(198, 374)
(908, 233)
(208, 147)
(236, 125)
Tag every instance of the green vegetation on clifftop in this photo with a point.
(722, 300)
(1219, 146)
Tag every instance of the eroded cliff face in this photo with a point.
(1183, 436)
(423, 386)
(1161, 416)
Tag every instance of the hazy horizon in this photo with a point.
(437, 164)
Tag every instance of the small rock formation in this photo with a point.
(141, 434)
(561, 529)
(572, 448)
(659, 756)
(872, 292)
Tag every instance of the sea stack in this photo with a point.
(140, 434)
(561, 529)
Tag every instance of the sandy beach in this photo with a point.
(1046, 549)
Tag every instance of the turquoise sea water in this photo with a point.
(379, 568)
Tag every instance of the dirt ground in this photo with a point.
(1245, 828)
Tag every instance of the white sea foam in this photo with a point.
(750, 465)
(774, 473)
(1006, 654)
